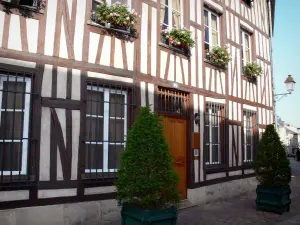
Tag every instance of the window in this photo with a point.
(214, 132)
(250, 127)
(170, 14)
(23, 2)
(246, 47)
(14, 124)
(106, 128)
(212, 30)
(95, 3)
(247, 2)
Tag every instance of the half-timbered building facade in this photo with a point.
(70, 90)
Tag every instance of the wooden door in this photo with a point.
(175, 133)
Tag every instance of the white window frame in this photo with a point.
(244, 47)
(210, 137)
(245, 136)
(170, 14)
(210, 29)
(109, 3)
(106, 116)
(26, 112)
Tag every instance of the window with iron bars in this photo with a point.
(109, 113)
(172, 101)
(214, 135)
(249, 135)
(15, 141)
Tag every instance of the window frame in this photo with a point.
(129, 3)
(243, 33)
(26, 121)
(246, 127)
(210, 12)
(170, 15)
(106, 120)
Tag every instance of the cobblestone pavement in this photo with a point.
(241, 210)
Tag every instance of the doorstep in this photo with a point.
(185, 204)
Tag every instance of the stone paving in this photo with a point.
(241, 210)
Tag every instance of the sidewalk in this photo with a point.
(241, 211)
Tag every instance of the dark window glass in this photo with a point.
(114, 152)
(11, 125)
(93, 156)
(10, 156)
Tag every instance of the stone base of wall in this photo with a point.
(224, 190)
(84, 213)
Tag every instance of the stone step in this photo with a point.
(185, 204)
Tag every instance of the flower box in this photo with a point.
(251, 71)
(218, 56)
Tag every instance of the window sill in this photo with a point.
(175, 50)
(22, 7)
(112, 30)
(222, 68)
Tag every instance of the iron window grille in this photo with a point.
(110, 112)
(249, 136)
(27, 3)
(214, 135)
(172, 101)
(17, 157)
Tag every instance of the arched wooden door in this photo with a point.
(175, 133)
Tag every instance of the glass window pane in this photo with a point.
(116, 130)
(247, 41)
(215, 153)
(215, 38)
(114, 152)
(94, 129)
(95, 103)
(164, 18)
(214, 23)
(206, 36)
(116, 105)
(93, 156)
(95, 3)
(121, 1)
(11, 99)
(10, 156)
(11, 125)
(205, 17)
(247, 52)
(176, 19)
(176, 5)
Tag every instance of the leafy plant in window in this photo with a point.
(273, 172)
(179, 38)
(252, 71)
(116, 16)
(146, 185)
(219, 56)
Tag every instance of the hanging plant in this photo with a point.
(252, 71)
(219, 56)
(116, 16)
(179, 38)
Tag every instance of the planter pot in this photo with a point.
(275, 200)
(135, 216)
(107, 25)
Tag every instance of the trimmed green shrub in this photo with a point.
(271, 164)
(146, 178)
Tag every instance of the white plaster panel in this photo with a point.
(185, 64)
(130, 54)
(193, 60)
(143, 93)
(144, 38)
(239, 128)
(75, 142)
(227, 25)
(196, 101)
(50, 27)
(207, 77)
(110, 77)
(248, 171)
(106, 51)
(216, 100)
(201, 107)
(94, 42)
(45, 145)
(76, 81)
(215, 176)
(163, 64)
(213, 77)
(199, 11)
(196, 166)
(249, 107)
(230, 144)
(238, 55)
(232, 26)
(70, 3)
(200, 59)
(239, 112)
(61, 114)
(237, 30)
(62, 84)
(235, 109)
(14, 36)
(63, 51)
(153, 41)
(235, 173)
(192, 10)
(99, 190)
(7, 196)
(32, 34)
(151, 96)
(47, 81)
(230, 110)
(118, 62)
(56, 193)
(171, 75)
(2, 16)
(178, 70)
(79, 29)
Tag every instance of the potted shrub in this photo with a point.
(146, 185)
(116, 16)
(273, 173)
(252, 71)
(178, 38)
(218, 56)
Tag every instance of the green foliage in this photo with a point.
(179, 37)
(146, 178)
(271, 164)
(219, 56)
(117, 15)
(252, 70)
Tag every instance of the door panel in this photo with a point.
(175, 133)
